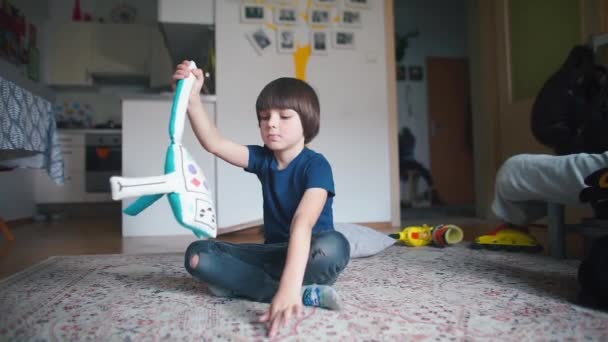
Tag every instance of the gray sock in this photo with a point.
(220, 291)
(323, 296)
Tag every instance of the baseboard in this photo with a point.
(384, 225)
(256, 224)
(255, 227)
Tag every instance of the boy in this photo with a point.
(301, 245)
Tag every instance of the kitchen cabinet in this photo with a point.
(69, 53)
(120, 49)
(161, 68)
(73, 190)
(186, 11)
(79, 51)
(46, 191)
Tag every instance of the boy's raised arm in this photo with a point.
(206, 132)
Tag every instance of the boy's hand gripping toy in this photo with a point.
(183, 182)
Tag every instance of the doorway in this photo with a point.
(435, 123)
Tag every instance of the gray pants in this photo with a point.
(254, 270)
(526, 183)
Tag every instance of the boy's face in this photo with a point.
(281, 129)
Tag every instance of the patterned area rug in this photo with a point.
(401, 294)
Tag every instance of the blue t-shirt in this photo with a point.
(282, 190)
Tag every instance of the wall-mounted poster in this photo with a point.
(350, 18)
(319, 16)
(286, 40)
(253, 13)
(260, 40)
(286, 15)
(319, 42)
(344, 40)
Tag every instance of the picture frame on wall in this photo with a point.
(401, 74)
(253, 13)
(286, 40)
(260, 40)
(325, 2)
(343, 40)
(317, 16)
(284, 15)
(351, 18)
(415, 73)
(319, 42)
(292, 3)
(357, 3)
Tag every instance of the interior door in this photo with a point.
(451, 146)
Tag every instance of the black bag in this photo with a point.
(595, 130)
(564, 103)
(593, 275)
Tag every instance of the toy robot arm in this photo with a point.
(130, 187)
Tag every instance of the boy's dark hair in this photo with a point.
(295, 94)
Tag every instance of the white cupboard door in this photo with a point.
(69, 53)
(120, 49)
(160, 66)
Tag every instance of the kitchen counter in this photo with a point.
(89, 130)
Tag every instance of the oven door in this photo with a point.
(103, 160)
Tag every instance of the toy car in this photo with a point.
(509, 240)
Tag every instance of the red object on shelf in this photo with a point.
(77, 12)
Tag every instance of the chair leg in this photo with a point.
(5, 231)
(557, 230)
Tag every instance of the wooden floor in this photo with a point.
(37, 241)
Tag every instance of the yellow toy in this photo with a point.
(441, 235)
(414, 236)
(507, 239)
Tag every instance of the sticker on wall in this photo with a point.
(319, 41)
(286, 40)
(253, 13)
(319, 16)
(401, 73)
(260, 40)
(344, 40)
(415, 73)
(286, 16)
(351, 19)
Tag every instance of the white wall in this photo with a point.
(442, 27)
(352, 88)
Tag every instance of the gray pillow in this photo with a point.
(364, 241)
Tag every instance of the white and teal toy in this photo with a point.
(183, 182)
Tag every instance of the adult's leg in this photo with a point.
(526, 183)
(254, 270)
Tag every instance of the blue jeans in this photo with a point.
(254, 270)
